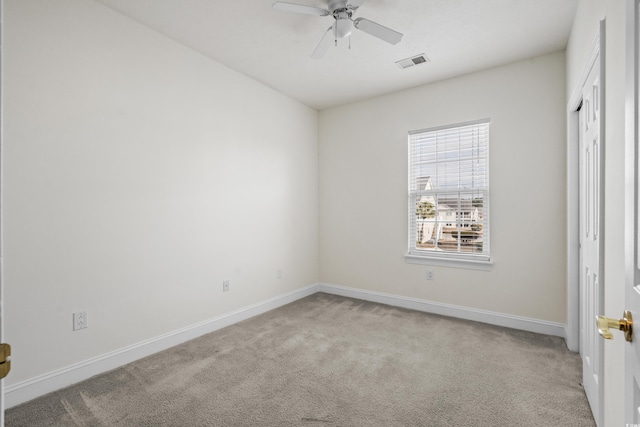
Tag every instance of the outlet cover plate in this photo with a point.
(79, 320)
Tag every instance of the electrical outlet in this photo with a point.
(279, 273)
(79, 320)
(430, 275)
(225, 285)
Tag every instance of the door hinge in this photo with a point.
(5, 360)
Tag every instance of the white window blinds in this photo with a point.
(449, 191)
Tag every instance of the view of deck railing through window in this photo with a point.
(448, 191)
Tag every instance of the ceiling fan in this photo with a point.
(343, 25)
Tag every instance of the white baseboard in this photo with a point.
(499, 319)
(24, 391)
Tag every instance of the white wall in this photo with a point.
(138, 175)
(363, 190)
(587, 21)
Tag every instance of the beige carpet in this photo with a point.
(333, 361)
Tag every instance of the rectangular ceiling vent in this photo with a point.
(413, 61)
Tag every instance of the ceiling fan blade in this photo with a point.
(299, 8)
(324, 44)
(377, 30)
(354, 4)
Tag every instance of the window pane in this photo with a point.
(448, 173)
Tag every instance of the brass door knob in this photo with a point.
(5, 360)
(625, 325)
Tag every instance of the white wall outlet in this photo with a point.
(225, 285)
(279, 273)
(430, 275)
(79, 320)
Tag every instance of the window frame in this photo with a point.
(457, 258)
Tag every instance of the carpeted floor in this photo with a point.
(332, 361)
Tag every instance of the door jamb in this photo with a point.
(2, 66)
(631, 135)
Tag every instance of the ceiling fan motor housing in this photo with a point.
(337, 5)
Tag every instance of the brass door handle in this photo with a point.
(5, 360)
(625, 325)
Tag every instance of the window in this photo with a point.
(449, 192)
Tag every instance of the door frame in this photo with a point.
(631, 210)
(2, 336)
(595, 57)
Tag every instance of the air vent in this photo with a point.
(413, 61)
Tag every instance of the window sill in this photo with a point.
(449, 262)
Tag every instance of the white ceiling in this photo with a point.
(458, 36)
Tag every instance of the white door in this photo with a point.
(591, 347)
(632, 241)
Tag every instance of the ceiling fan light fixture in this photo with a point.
(344, 27)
